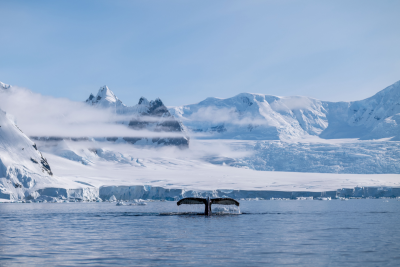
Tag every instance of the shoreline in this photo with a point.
(146, 192)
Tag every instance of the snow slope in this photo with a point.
(22, 166)
(265, 117)
(129, 174)
(373, 118)
(314, 155)
(194, 174)
(254, 117)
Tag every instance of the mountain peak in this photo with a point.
(105, 97)
(4, 86)
(157, 102)
(106, 93)
(143, 101)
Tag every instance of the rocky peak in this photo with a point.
(105, 97)
(157, 108)
(90, 98)
(143, 101)
(4, 86)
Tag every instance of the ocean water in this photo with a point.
(362, 232)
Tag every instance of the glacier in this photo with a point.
(316, 155)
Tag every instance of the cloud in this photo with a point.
(198, 150)
(292, 103)
(215, 115)
(39, 115)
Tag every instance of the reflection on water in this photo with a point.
(301, 233)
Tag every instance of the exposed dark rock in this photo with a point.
(45, 166)
(46, 138)
(141, 100)
(175, 141)
(132, 140)
(158, 118)
(247, 101)
(56, 138)
(90, 98)
(219, 128)
(138, 124)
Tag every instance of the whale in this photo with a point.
(207, 202)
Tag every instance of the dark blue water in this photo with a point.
(293, 233)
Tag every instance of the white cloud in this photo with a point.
(217, 115)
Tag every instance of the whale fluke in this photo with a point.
(207, 202)
(224, 201)
(192, 201)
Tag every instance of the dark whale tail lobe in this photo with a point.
(207, 202)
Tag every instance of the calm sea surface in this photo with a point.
(294, 233)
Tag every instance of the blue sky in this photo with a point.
(185, 51)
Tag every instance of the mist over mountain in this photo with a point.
(246, 116)
(147, 115)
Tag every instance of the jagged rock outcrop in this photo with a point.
(152, 116)
(4, 86)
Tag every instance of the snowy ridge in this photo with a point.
(254, 117)
(250, 116)
(372, 118)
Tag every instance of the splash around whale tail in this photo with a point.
(207, 202)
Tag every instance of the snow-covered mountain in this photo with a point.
(4, 86)
(146, 115)
(105, 98)
(254, 117)
(21, 164)
(373, 118)
(250, 116)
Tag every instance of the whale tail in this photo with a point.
(207, 202)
